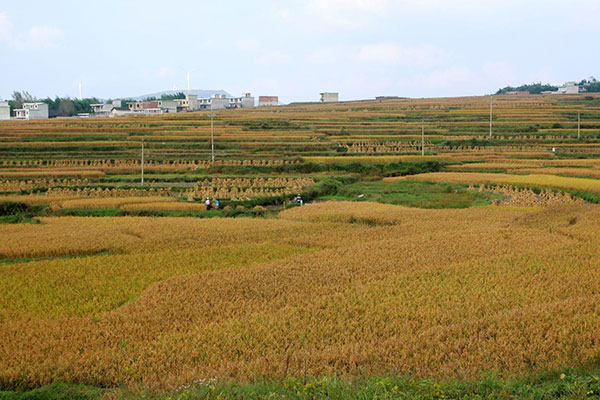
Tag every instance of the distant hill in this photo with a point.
(200, 92)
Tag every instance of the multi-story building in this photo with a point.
(105, 110)
(264, 101)
(216, 102)
(190, 103)
(327, 97)
(168, 106)
(32, 111)
(4, 111)
(154, 106)
(245, 101)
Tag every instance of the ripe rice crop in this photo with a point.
(36, 199)
(379, 159)
(245, 188)
(34, 294)
(542, 180)
(426, 293)
(583, 172)
(344, 289)
(70, 236)
(165, 206)
(386, 147)
(15, 185)
(99, 192)
(486, 166)
(113, 202)
(528, 198)
(51, 173)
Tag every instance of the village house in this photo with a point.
(329, 97)
(245, 101)
(4, 111)
(265, 101)
(153, 106)
(567, 88)
(105, 110)
(32, 111)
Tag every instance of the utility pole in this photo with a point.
(142, 181)
(422, 137)
(491, 113)
(578, 125)
(212, 137)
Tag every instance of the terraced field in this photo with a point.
(464, 269)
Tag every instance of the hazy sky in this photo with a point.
(295, 49)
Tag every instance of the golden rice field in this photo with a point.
(125, 281)
(543, 180)
(352, 289)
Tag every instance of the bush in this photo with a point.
(12, 208)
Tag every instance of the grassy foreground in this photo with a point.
(581, 383)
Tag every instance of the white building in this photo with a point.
(568, 88)
(106, 110)
(221, 102)
(168, 106)
(245, 101)
(101, 110)
(32, 111)
(216, 102)
(4, 111)
(328, 97)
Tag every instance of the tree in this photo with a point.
(17, 100)
(592, 87)
(21, 97)
(533, 88)
(66, 108)
(178, 95)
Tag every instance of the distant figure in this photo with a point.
(299, 199)
(216, 204)
(207, 202)
(554, 149)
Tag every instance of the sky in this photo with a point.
(295, 48)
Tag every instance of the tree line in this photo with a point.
(532, 88)
(590, 85)
(57, 107)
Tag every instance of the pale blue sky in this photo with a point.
(295, 49)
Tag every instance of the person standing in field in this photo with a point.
(216, 204)
(207, 202)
